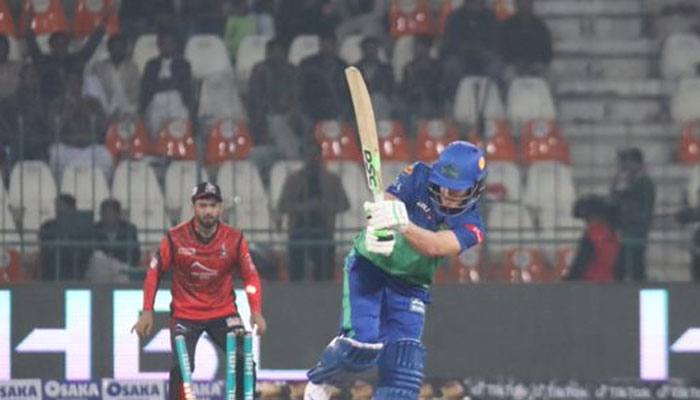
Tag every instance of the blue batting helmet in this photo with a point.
(460, 168)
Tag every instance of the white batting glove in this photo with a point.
(387, 214)
(377, 246)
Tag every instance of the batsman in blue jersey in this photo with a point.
(432, 212)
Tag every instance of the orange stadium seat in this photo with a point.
(228, 140)
(393, 144)
(542, 141)
(504, 9)
(175, 141)
(7, 23)
(47, 16)
(89, 13)
(10, 266)
(337, 141)
(689, 146)
(432, 137)
(410, 17)
(466, 267)
(526, 265)
(499, 142)
(563, 260)
(127, 139)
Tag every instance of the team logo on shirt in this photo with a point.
(201, 271)
(476, 231)
(425, 208)
(417, 306)
(186, 251)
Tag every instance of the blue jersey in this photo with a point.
(405, 263)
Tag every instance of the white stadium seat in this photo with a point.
(477, 96)
(219, 98)
(402, 55)
(33, 194)
(507, 175)
(180, 179)
(509, 226)
(9, 236)
(684, 104)
(693, 188)
(245, 199)
(87, 184)
(145, 48)
(353, 179)
(208, 55)
(351, 50)
(15, 49)
(303, 46)
(250, 52)
(680, 56)
(550, 186)
(529, 98)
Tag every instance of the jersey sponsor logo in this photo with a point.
(186, 251)
(71, 390)
(233, 321)
(476, 231)
(201, 271)
(417, 306)
(21, 389)
(135, 390)
(424, 207)
(408, 170)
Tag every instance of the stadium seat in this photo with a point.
(559, 231)
(529, 98)
(504, 9)
(391, 170)
(47, 17)
(11, 266)
(466, 267)
(410, 17)
(88, 16)
(499, 142)
(477, 97)
(526, 265)
(337, 140)
(432, 137)
(245, 199)
(303, 46)
(393, 143)
(685, 100)
(541, 141)
(136, 187)
(127, 139)
(504, 181)
(550, 186)
(688, 151)
(250, 52)
(7, 23)
(228, 140)
(401, 56)
(9, 235)
(145, 48)
(175, 141)
(87, 184)
(351, 51)
(15, 49)
(510, 226)
(564, 258)
(208, 56)
(693, 189)
(680, 56)
(32, 195)
(180, 178)
(219, 98)
(445, 10)
(353, 179)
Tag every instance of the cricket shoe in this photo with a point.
(319, 391)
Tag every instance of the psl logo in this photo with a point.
(653, 335)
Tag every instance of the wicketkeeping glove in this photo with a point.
(378, 246)
(387, 214)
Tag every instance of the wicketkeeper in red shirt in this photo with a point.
(203, 255)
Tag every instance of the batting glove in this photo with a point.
(379, 246)
(387, 214)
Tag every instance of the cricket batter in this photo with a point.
(432, 212)
(203, 255)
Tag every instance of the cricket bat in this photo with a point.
(367, 129)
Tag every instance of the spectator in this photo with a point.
(118, 77)
(526, 44)
(61, 242)
(469, 44)
(313, 17)
(116, 237)
(166, 85)
(312, 196)
(239, 24)
(274, 96)
(80, 126)
(599, 246)
(634, 193)
(9, 69)
(139, 16)
(54, 67)
(324, 93)
(378, 76)
(420, 88)
(25, 130)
